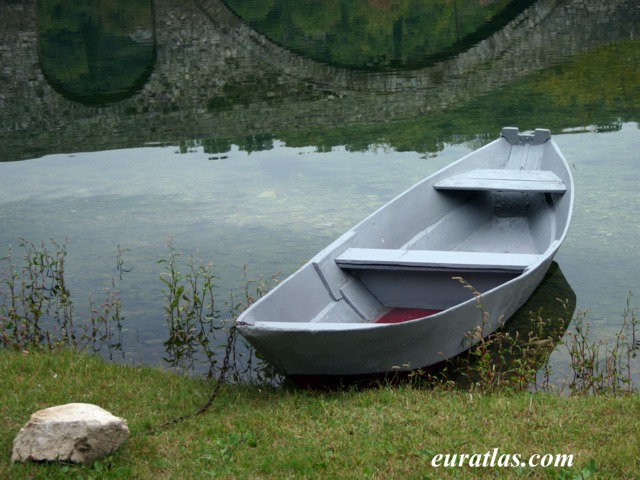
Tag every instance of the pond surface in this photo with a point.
(248, 165)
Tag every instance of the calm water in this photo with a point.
(244, 147)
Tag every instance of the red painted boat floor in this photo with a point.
(397, 315)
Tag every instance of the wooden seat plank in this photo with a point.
(504, 180)
(378, 258)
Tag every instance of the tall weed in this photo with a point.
(603, 366)
(195, 325)
(37, 310)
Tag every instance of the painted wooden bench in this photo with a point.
(543, 181)
(379, 258)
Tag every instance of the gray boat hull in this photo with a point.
(466, 246)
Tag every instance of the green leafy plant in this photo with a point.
(195, 324)
(36, 308)
(499, 360)
(507, 359)
(190, 311)
(603, 366)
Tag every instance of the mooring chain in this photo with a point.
(226, 362)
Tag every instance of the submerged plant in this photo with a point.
(603, 366)
(190, 310)
(195, 324)
(36, 308)
(509, 358)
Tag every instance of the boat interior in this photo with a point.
(493, 225)
(499, 222)
(490, 239)
(471, 227)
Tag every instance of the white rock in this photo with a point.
(75, 432)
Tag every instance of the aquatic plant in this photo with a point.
(603, 365)
(37, 310)
(190, 310)
(196, 330)
(506, 359)
(517, 360)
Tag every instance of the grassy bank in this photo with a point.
(390, 432)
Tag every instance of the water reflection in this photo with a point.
(377, 34)
(219, 80)
(96, 52)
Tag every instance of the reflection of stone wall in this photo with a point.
(207, 57)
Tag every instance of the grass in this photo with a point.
(251, 432)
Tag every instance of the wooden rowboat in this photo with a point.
(394, 292)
